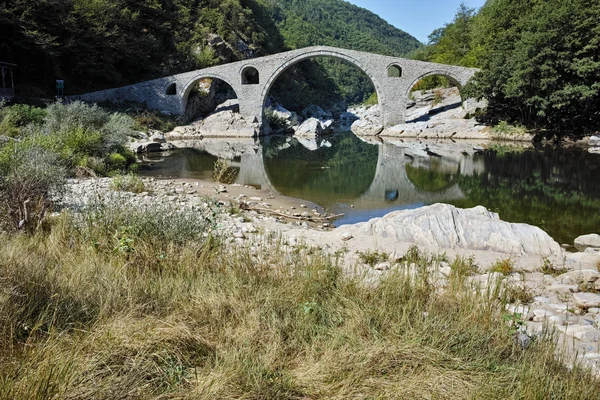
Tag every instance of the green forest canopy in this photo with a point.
(107, 43)
(540, 60)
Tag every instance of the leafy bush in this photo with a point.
(505, 128)
(30, 176)
(82, 134)
(15, 117)
(372, 100)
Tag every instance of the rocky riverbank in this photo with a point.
(554, 292)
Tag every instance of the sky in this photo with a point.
(417, 17)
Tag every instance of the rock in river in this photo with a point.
(445, 226)
(587, 241)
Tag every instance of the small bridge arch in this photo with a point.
(189, 86)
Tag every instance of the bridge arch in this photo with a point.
(187, 89)
(449, 75)
(315, 54)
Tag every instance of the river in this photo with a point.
(555, 188)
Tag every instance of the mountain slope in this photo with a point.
(107, 43)
(340, 24)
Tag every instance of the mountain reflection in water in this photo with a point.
(554, 188)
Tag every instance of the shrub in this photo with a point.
(505, 129)
(276, 122)
(372, 100)
(14, 118)
(152, 222)
(30, 176)
(73, 121)
(116, 162)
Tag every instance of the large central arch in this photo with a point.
(315, 54)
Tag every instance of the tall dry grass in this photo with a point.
(82, 318)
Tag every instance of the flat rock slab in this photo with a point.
(448, 227)
(587, 300)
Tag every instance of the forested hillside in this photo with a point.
(106, 43)
(540, 61)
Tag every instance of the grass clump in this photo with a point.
(549, 268)
(128, 183)
(372, 257)
(504, 267)
(506, 129)
(223, 172)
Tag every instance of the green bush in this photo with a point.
(14, 118)
(116, 161)
(76, 120)
(30, 176)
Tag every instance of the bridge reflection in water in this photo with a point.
(336, 172)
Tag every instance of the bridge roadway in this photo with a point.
(252, 80)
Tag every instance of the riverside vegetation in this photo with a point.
(114, 300)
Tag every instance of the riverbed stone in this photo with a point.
(366, 128)
(310, 127)
(587, 300)
(587, 241)
(578, 277)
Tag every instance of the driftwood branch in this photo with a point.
(280, 214)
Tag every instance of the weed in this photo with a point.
(549, 269)
(464, 266)
(413, 255)
(438, 97)
(514, 321)
(505, 129)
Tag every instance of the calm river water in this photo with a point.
(554, 188)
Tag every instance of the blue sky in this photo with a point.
(417, 17)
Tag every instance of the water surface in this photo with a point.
(554, 188)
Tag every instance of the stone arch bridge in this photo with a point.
(252, 80)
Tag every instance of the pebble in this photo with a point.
(239, 235)
(384, 266)
(346, 236)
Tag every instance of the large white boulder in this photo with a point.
(227, 123)
(446, 227)
(364, 127)
(310, 127)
